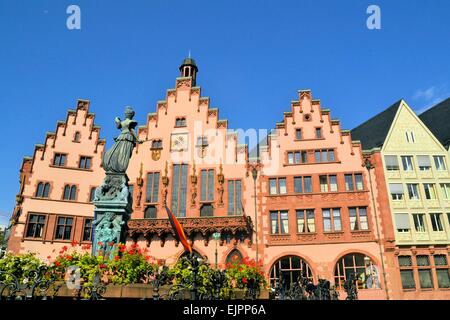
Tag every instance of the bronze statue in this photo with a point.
(117, 157)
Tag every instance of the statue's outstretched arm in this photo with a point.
(118, 122)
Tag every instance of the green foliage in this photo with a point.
(132, 265)
(19, 265)
(239, 273)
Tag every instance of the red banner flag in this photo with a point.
(179, 233)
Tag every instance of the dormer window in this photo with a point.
(410, 137)
(157, 144)
(180, 122)
(77, 136)
(318, 133)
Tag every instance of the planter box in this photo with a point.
(145, 291)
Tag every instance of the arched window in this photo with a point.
(235, 256)
(70, 192)
(92, 194)
(359, 264)
(66, 195)
(46, 190)
(289, 268)
(77, 137)
(40, 189)
(150, 212)
(73, 193)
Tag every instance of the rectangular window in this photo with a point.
(407, 163)
(419, 222)
(413, 191)
(298, 134)
(304, 157)
(349, 182)
(406, 272)
(87, 230)
(179, 189)
(396, 190)
(442, 271)
(307, 184)
(439, 163)
(430, 191)
(63, 228)
(391, 163)
(305, 221)
(36, 224)
(402, 222)
(234, 197)
(323, 183)
(152, 188)
(291, 157)
(59, 159)
(331, 220)
(279, 222)
(85, 163)
(359, 182)
(318, 133)
(325, 155)
(298, 184)
(207, 185)
(277, 186)
(333, 183)
(358, 218)
(425, 277)
(445, 188)
(436, 221)
(424, 163)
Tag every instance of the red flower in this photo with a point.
(57, 263)
(48, 257)
(102, 266)
(65, 248)
(244, 280)
(70, 258)
(122, 249)
(100, 243)
(116, 258)
(74, 243)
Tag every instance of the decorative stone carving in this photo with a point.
(139, 183)
(165, 182)
(220, 189)
(193, 187)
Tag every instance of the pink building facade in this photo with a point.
(318, 211)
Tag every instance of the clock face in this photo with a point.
(179, 141)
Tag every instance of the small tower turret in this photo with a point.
(189, 69)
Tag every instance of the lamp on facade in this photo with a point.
(216, 236)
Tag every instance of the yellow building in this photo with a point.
(413, 176)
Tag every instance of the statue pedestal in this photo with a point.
(112, 210)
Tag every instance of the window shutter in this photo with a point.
(402, 220)
(423, 161)
(391, 161)
(396, 188)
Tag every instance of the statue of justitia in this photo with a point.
(117, 157)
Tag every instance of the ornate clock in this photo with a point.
(179, 142)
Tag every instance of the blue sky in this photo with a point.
(252, 55)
